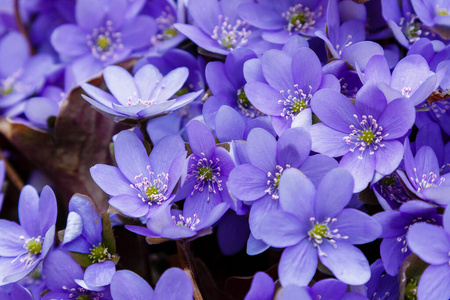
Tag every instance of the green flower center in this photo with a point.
(103, 42)
(152, 191)
(83, 297)
(99, 254)
(411, 290)
(170, 33)
(34, 246)
(243, 100)
(367, 136)
(7, 91)
(442, 12)
(298, 106)
(205, 173)
(319, 230)
(300, 17)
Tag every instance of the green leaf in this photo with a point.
(409, 275)
(107, 234)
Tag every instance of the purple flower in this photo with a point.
(166, 13)
(208, 169)
(290, 82)
(174, 283)
(257, 182)
(262, 287)
(226, 81)
(423, 176)
(411, 78)
(24, 246)
(432, 244)
(173, 224)
(105, 33)
(84, 234)
(218, 28)
(147, 94)
(365, 134)
(64, 278)
(21, 75)
(141, 183)
(285, 18)
(380, 286)
(403, 22)
(395, 225)
(314, 224)
(17, 292)
(434, 13)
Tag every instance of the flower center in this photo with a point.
(5, 91)
(392, 189)
(33, 245)
(321, 231)
(207, 174)
(99, 254)
(104, 42)
(368, 136)
(165, 25)
(152, 189)
(204, 173)
(300, 18)
(274, 181)
(33, 248)
(413, 29)
(442, 12)
(231, 36)
(246, 107)
(294, 102)
(406, 91)
(188, 223)
(82, 294)
(426, 181)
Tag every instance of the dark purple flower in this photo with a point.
(2, 179)
(395, 225)
(432, 244)
(209, 166)
(174, 284)
(141, 183)
(226, 81)
(381, 286)
(314, 225)
(257, 182)
(165, 13)
(365, 134)
(148, 94)
(422, 175)
(64, 278)
(24, 246)
(17, 292)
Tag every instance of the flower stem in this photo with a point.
(188, 264)
(12, 174)
(20, 25)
